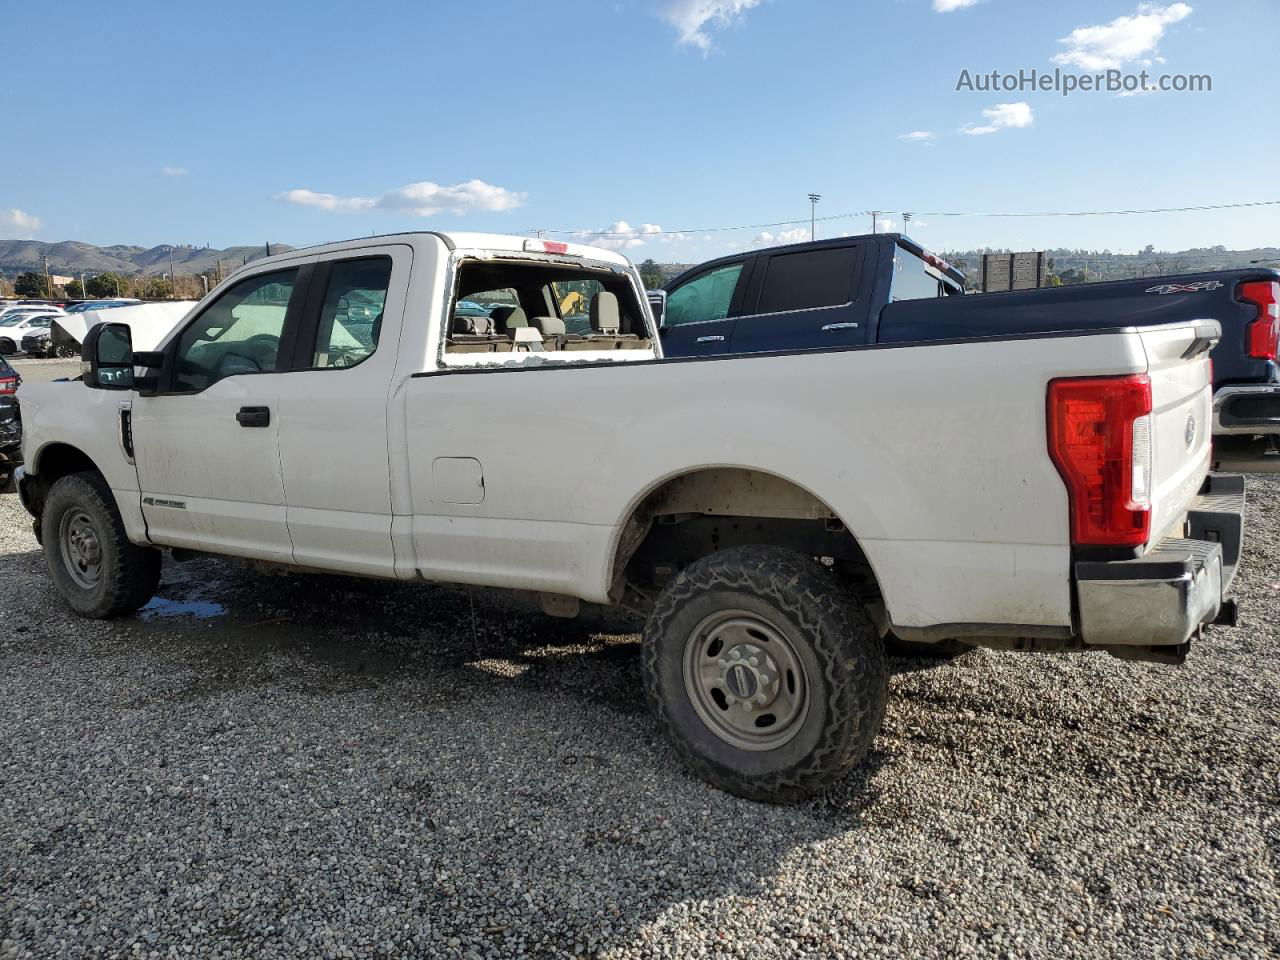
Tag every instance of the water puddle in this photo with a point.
(164, 608)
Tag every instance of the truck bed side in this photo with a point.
(933, 455)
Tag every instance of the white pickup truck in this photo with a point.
(441, 407)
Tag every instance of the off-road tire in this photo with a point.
(839, 649)
(130, 574)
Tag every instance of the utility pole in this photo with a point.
(875, 219)
(906, 221)
(813, 215)
(173, 277)
(48, 286)
(83, 290)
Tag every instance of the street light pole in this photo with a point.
(813, 215)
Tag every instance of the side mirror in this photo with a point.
(657, 305)
(106, 357)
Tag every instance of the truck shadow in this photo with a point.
(511, 753)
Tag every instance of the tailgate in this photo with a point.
(1182, 418)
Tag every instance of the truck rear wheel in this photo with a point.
(767, 676)
(94, 566)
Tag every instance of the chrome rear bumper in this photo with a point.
(1166, 596)
(1247, 410)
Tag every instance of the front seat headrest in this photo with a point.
(376, 331)
(506, 319)
(547, 325)
(604, 313)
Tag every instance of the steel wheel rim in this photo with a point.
(81, 548)
(745, 680)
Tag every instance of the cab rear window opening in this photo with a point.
(513, 306)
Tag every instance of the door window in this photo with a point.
(351, 317)
(239, 333)
(704, 298)
(803, 281)
(913, 279)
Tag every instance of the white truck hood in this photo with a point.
(149, 323)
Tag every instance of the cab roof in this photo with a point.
(460, 240)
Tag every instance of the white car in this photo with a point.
(21, 322)
(775, 516)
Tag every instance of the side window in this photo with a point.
(813, 278)
(573, 297)
(351, 316)
(912, 279)
(704, 298)
(238, 333)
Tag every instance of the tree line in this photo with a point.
(34, 285)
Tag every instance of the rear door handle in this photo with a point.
(710, 340)
(839, 326)
(254, 417)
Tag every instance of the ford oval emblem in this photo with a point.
(1191, 429)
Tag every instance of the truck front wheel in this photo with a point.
(94, 566)
(765, 673)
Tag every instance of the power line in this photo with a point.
(926, 213)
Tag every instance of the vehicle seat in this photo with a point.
(552, 330)
(606, 324)
(605, 318)
(506, 319)
(471, 335)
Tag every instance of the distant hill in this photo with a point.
(1075, 266)
(73, 257)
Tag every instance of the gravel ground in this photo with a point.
(35, 369)
(285, 767)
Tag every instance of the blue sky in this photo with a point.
(298, 123)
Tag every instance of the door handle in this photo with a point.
(254, 417)
(839, 326)
(716, 339)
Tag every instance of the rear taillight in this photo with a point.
(1100, 440)
(8, 384)
(1262, 336)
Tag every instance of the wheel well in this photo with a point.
(702, 512)
(54, 462)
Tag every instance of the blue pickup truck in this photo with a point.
(881, 289)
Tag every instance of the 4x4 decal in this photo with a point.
(1186, 287)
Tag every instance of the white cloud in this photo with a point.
(19, 219)
(422, 199)
(693, 18)
(887, 225)
(1003, 116)
(925, 137)
(794, 235)
(173, 171)
(619, 235)
(946, 6)
(1124, 40)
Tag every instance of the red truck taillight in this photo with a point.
(8, 385)
(1100, 441)
(1262, 336)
